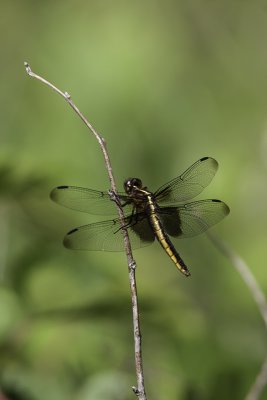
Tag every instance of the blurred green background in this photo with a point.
(165, 83)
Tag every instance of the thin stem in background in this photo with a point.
(260, 382)
(140, 389)
(260, 299)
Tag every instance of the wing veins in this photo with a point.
(189, 184)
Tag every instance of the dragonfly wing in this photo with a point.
(87, 200)
(189, 184)
(193, 218)
(108, 236)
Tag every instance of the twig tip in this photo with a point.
(27, 67)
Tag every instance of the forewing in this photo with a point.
(189, 184)
(193, 218)
(108, 236)
(87, 200)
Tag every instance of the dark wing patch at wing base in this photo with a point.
(108, 236)
(193, 218)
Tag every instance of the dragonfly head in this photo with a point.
(131, 184)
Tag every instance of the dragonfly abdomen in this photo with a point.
(162, 236)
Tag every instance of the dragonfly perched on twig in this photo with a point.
(148, 215)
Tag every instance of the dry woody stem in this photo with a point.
(140, 389)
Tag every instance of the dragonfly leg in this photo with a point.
(114, 197)
(131, 221)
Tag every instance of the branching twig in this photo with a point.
(260, 299)
(140, 389)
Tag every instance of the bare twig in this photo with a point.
(260, 299)
(140, 389)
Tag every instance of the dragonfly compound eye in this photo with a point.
(132, 183)
(137, 183)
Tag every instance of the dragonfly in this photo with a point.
(149, 215)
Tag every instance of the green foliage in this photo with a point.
(165, 84)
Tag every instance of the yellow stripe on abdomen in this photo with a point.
(164, 239)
